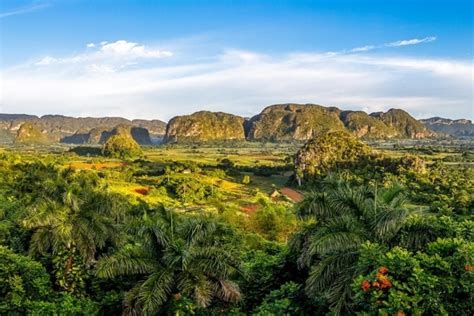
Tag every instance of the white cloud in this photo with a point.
(133, 50)
(48, 60)
(413, 41)
(115, 54)
(234, 55)
(236, 81)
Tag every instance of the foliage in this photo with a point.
(438, 281)
(273, 221)
(283, 301)
(79, 235)
(323, 153)
(346, 218)
(22, 282)
(121, 146)
(175, 258)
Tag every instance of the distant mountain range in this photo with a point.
(82, 130)
(455, 128)
(280, 122)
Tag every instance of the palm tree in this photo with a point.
(345, 218)
(71, 217)
(175, 257)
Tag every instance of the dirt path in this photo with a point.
(292, 194)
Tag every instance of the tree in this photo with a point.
(22, 282)
(273, 221)
(175, 258)
(346, 217)
(25, 289)
(284, 301)
(70, 217)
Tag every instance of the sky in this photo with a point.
(157, 59)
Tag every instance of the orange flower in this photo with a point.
(400, 313)
(375, 284)
(383, 270)
(381, 277)
(468, 267)
(385, 284)
(365, 285)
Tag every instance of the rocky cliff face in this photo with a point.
(283, 122)
(405, 125)
(205, 126)
(365, 126)
(455, 128)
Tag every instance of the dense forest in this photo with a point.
(333, 227)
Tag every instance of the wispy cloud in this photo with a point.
(362, 48)
(26, 9)
(414, 41)
(407, 42)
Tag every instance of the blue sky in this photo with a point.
(157, 59)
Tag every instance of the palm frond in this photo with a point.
(229, 291)
(127, 261)
(155, 290)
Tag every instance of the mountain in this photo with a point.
(405, 125)
(287, 122)
(363, 125)
(279, 122)
(455, 128)
(205, 126)
(81, 130)
(156, 128)
(13, 117)
(100, 135)
(138, 134)
(30, 133)
(283, 122)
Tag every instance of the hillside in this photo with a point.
(454, 128)
(100, 135)
(283, 122)
(405, 125)
(363, 125)
(29, 133)
(205, 126)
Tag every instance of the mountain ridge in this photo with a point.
(277, 122)
(458, 128)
